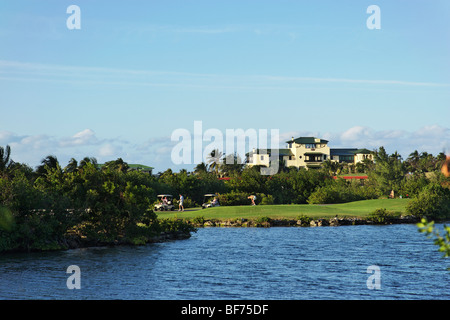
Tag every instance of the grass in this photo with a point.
(352, 209)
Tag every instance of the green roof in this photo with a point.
(139, 166)
(132, 166)
(363, 151)
(348, 151)
(304, 140)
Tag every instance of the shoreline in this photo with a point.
(73, 242)
(321, 222)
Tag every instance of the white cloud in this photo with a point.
(85, 137)
(110, 150)
(432, 131)
(7, 136)
(356, 133)
(432, 139)
(156, 152)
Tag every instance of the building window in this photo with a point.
(262, 158)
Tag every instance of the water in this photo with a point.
(242, 263)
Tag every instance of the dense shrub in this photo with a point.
(382, 216)
(412, 185)
(340, 192)
(432, 202)
(304, 220)
(241, 198)
(267, 199)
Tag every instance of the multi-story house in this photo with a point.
(308, 152)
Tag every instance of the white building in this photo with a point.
(308, 152)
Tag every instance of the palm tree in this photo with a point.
(214, 160)
(5, 158)
(87, 160)
(231, 163)
(50, 162)
(118, 165)
(332, 167)
(201, 168)
(412, 162)
(72, 166)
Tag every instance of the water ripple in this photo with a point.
(241, 263)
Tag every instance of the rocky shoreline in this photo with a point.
(300, 223)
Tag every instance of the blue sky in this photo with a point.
(137, 71)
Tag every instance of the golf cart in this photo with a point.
(210, 200)
(165, 202)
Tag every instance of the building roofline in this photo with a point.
(304, 140)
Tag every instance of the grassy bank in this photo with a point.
(358, 209)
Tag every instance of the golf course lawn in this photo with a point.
(352, 209)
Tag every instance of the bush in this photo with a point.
(267, 200)
(263, 221)
(304, 220)
(241, 199)
(234, 199)
(382, 216)
(432, 202)
(199, 220)
(341, 191)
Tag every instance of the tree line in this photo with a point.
(51, 206)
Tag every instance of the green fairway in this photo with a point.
(352, 209)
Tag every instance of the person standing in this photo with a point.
(181, 207)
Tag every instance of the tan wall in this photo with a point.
(360, 157)
(257, 161)
(299, 150)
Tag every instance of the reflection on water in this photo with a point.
(241, 263)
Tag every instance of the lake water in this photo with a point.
(242, 263)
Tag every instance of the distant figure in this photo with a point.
(446, 167)
(253, 198)
(392, 194)
(181, 208)
(215, 202)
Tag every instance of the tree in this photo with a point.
(87, 160)
(72, 166)
(48, 163)
(231, 164)
(333, 168)
(5, 159)
(201, 168)
(412, 162)
(214, 160)
(118, 165)
(432, 202)
(389, 171)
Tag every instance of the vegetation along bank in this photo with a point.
(54, 207)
